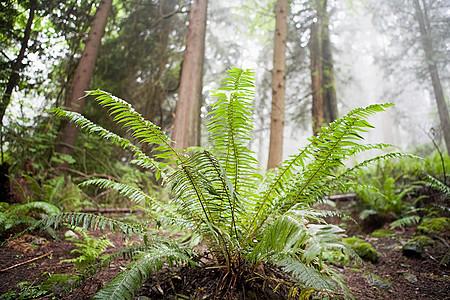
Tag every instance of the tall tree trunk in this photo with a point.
(425, 35)
(186, 130)
(328, 87)
(83, 74)
(316, 79)
(17, 65)
(278, 85)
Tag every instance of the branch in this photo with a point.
(28, 261)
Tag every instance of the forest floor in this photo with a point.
(33, 258)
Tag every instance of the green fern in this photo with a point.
(221, 195)
(89, 249)
(405, 221)
(27, 214)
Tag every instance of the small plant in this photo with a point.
(246, 219)
(27, 290)
(90, 249)
(27, 214)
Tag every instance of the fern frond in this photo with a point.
(322, 238)
(93, 222)
(405, 222)
(230, 127)
(141, 158)
(25, 208)
(301, 178)
(438, 185)
(306, 275)
(141, 129)
(133, 193)
(129, 281)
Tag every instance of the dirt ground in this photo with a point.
(32, 259)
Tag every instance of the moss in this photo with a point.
(59, 283)
(381, 233)
(434, 225)
(362, 248)
(378, 282)
(424, 240)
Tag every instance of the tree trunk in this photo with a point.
(329, 90)
(316, 80)
(83, 74)
(186, 130)
(427, 45)
(278, 85)
(17, 65)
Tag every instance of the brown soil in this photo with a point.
(433, 281)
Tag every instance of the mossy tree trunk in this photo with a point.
(316, 80)
(330, 110)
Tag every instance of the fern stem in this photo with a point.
(232, 204)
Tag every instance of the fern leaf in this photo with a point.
(230, 127)
(307, 276)
(438, 185)
(301, 178)
(144, 130)
(48, 208)
(405, 222)
(129, 281)
(141, 158)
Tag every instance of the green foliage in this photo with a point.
(27, 290)
(424, 240)
(397, 186)
(58, 284)
(220, 194)
(434, 225)
(14, 215)
(381, 233)
(406, 221)
(362, 248)
(89, 250)
(386, 197)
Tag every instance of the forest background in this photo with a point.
(314, 62)
(378, 55)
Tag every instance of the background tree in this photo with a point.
(186, 130)
(147, 73)
(329, 91)
(16, 67)
(82, 77)
(407, 79)
(425, 30)
(316, 79)
(278, 85)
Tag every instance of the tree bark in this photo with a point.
(17, 65)
(83, 74)
(278, 85)
(316, 80)
(427, 45)
(186, 130)
(328, 87)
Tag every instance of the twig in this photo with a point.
(25, 262)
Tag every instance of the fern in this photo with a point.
(220, 194)
(405, 221)
(89, 249)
